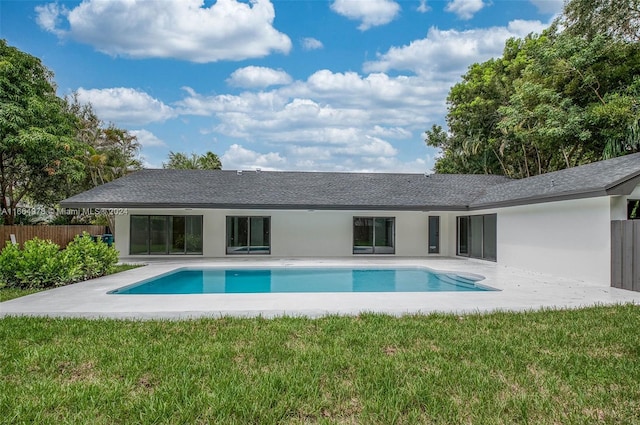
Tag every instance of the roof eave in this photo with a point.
(624, 186)
(169, 205)
(564, 196)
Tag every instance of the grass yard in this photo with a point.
(7, 294)
(550, 367)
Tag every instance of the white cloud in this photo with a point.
(549, 6)
(147, 139)
(370, 146)
(423, 7)
(258, 77)
(390, 132)
(308, 153)
(465, 9)
(392, 164)
(49, 17)
(240, 158)
(180, 29)
(125, 105)
(444, 55)
(326, 108)
(346, 121)
(377, 159)
(521, 28)
(370, 13)
(331, 121)
(310, 43)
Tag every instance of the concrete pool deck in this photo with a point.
(519, 290)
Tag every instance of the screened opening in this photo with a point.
(165, 234)
(477, 236)
(373, 235)
(248, 235)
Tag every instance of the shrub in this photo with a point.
(41, 264)
(10, 265)
(93, 258)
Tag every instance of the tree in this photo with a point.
(109, 152)
(474, 143)
(38, 152)
(619, 19)
(552, 101)
(180, 161)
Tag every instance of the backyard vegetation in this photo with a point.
(576, 366)
(41, 263)
(7, 294)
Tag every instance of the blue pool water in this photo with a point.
(219, 281)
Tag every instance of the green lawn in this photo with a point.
(7, 294)
(550, 367)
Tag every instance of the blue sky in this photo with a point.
(339, 85)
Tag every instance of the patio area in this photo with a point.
(519, 290)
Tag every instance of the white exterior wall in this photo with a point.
(565, 238)
(303, 233)
(619, 204)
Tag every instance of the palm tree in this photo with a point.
(181, 161)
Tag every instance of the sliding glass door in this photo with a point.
(165, 234)
(489, 240)
(139, 235)
(477, 236)
(373, 235)
(248, 235)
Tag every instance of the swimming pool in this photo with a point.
(298, 279)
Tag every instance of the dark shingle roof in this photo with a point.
(610, 177)
(285, 190)
(357, 191)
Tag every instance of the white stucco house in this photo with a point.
(557, 223)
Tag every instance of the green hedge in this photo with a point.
(41, 263)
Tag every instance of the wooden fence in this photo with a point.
(625, 254)
(61, 235)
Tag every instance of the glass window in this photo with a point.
(165, 234)
(193, 234)
(177, 234)
(248, 235)
(489, 240)
(434, 234)
(139, 235)
(476, 236)
(383, 236)
(373, 235)
(362, 235)
(237, 235)
(633, 209)
(463, 236)
(260, 238)
(158, 234)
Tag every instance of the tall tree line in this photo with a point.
(50, 147)
(566, 97)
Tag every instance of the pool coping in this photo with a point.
(519, 290)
